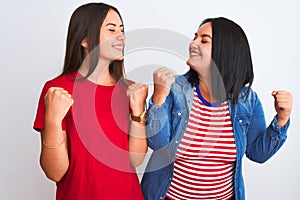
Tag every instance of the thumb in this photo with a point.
(274, 93)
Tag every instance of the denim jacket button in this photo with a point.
(176, 141)
(160, 198)
(240, 121)
(179, 113)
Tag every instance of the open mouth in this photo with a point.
(118, 47)
(195, 53)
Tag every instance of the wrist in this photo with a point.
(281, 122)
(52, 120)
(141, 118)
(158, 99)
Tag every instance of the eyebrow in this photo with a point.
(204, 35)
(112, 24)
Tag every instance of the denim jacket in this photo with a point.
(167, 124)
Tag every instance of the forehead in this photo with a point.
(205, 29)
(112, 17)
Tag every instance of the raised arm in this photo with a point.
(262, 142)
(54, 153)
(138, 147)
(159, 116)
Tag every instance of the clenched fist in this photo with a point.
(283, 106)
(163, 79)
(137, 94)
(57, 101)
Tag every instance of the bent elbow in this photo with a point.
(53, 177)
(259, 160)
(137, 159)
(54, 174)
(136, 163)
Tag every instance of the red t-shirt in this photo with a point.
(97, 127)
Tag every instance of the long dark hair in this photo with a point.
(85, 22)
(231, 60)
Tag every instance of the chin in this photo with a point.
(193, 65)
(190, 62)
(119, 58)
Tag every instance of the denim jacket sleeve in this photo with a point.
(263, 142)
(159, 124)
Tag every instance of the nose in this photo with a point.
(121, 36)
(194, 45)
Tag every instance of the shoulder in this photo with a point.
(127, 82)
(181, 79)
(248, 99)
(248, 94)
(181, 84)
(65, 81)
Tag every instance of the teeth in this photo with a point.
(119, 47)
(195, 54)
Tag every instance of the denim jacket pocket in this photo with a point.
(242, 123)
(176, 118)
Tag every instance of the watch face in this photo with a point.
(144, 116)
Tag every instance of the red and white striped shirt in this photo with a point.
(205, 159)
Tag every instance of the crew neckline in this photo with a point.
(79, 75)
(205, 101)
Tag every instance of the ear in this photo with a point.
(84, 43)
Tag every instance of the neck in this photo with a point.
(205, 83)
(206, 91)
(101, 74)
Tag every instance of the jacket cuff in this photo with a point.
(156, 112)
(279, 130)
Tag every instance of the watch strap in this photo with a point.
(141, 119)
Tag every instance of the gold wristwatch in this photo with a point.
(142, 119)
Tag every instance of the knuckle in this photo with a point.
(50, 90)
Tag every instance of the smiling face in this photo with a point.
(200, 49)
(112, 37)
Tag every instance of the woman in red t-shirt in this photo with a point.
(90, 147)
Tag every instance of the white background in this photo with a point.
(33, 35)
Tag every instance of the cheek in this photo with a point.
(105, 37)
(102, 37)
(210, 52)
(207, 51)
(106, 43)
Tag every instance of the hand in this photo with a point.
(137, 94)
(58, 101)
(283, 106)
(163, 79)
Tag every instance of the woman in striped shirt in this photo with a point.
(202, 123)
